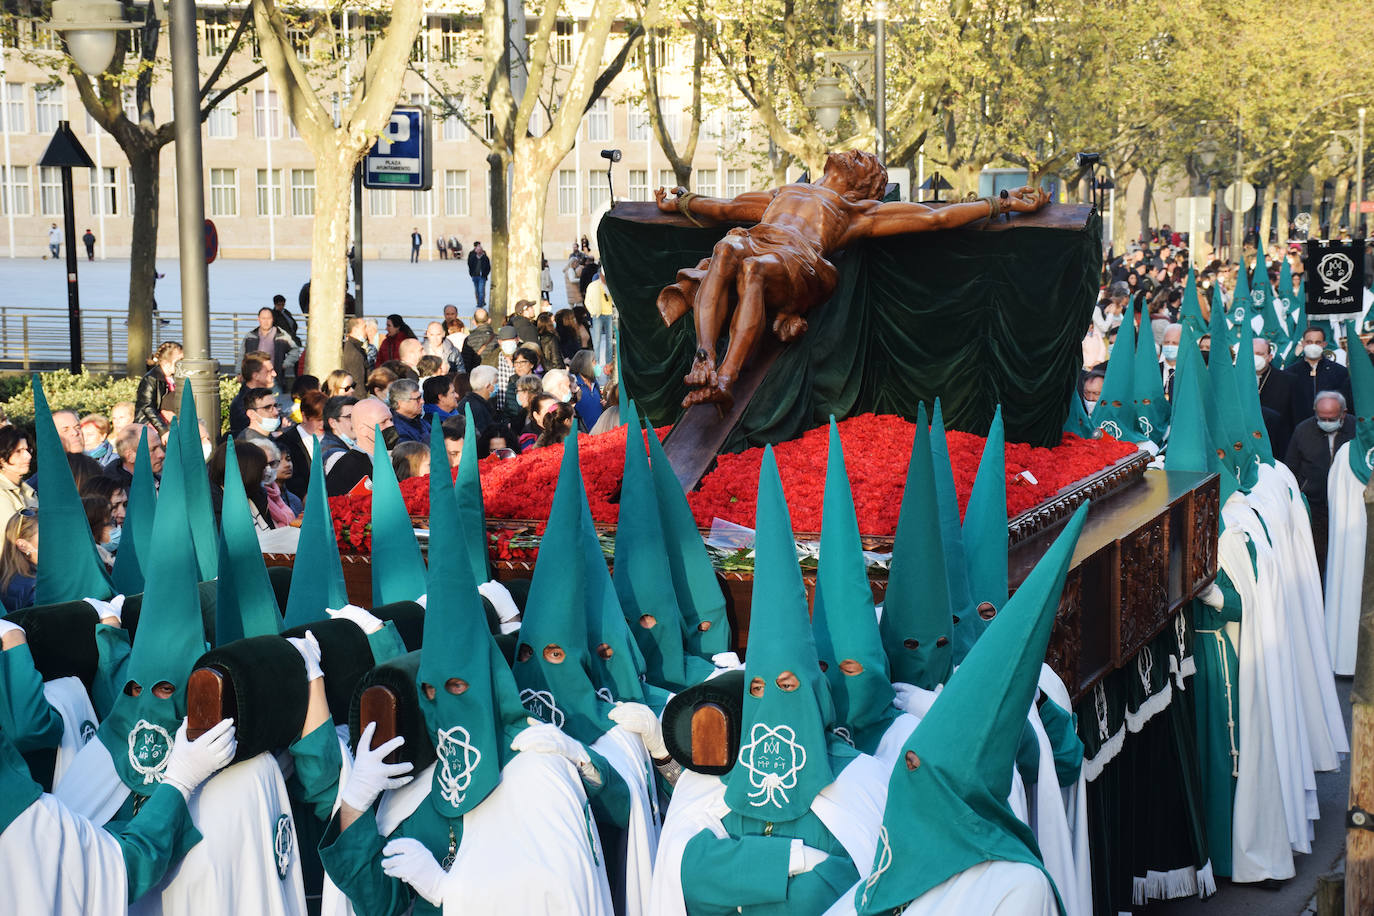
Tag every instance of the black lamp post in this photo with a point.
(66, 153)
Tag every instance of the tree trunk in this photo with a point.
(528, 194)
(1146, 203)
(143, 168)
(1266, 212)
(329, 259)
(1340, 205)
(683, 172)
(1118, 202)
(499, 197)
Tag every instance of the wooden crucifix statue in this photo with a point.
(777, 270)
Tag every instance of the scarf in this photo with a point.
(282, 516)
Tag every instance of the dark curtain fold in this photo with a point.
(973, 317)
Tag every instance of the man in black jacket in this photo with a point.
(354, 357)
(479, 269)
(1276, 391)
(285, 320)
(1315, 373)
(1310, 452)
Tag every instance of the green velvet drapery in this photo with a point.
(973, 317)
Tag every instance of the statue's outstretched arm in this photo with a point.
(747, 207)
(898, 218)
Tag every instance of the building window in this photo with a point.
(599, 121)
(453, 128)
(303, 192)
(381, 203)
(223, 119)
(639, 184)
(104, 192)
(638, 126)
(488, 126)
(672, 119)
(667, 178)
(451, 40)
(16, 195)
(216, 30)
(49, 190)
(130, 98)
(269, 192)
(736, 132)
(224, 192)
(422, 203)
(13, 111)
(563, 43)
(736, 182)
(456, 192)
(706, 182)
(47, 108)
(567, 192)
(598, 191)
(267, 115)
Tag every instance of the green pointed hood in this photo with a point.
(245, 604)
(1078, 422)
(1242, 305)
(553, 664)
(1294, 309)
(917, 617)
(967, 625)
(476, 708)
(985, 524)
(1262, 294)
(1190, 312)
(398, 570)
(1229, 439)
(139, 731)
(70, 568)
(947, 805)
(1362, 386)
(1115, 414)
(1247, 386)
(845, 627)
(1299, 316)
(1147, 389)
(699, 597)
(138, 524)
(317, 555)
(471, 513)
(1190, 443)
(643, 579)
(785, 755)
(200, 510)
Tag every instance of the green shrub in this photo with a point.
(86, 393)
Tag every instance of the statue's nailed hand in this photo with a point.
(1025, 200)
(665, 203)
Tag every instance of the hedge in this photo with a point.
(86, 393)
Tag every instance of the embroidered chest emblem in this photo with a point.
(1111, 428)
(541, 704)
(774, 759)
(605, 694)
(149, 745)
(458, 758)
(283, 843)
(87, 732)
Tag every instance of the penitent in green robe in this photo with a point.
(1218, 714)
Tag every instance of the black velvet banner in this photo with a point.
(973, 317)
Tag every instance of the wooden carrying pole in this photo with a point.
(1359, 836)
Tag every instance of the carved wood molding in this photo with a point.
(1144, 573)
(1051, 512)
(1066, 644)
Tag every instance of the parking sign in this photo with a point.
(401, 159)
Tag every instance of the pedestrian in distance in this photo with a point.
(55, 241)
(416, 240)
(89, 240)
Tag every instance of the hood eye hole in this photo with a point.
(605, 651)
(942, 642)
(986, 610)
(912, 761)
(525, 653)
(704, 626)
(554, 654)
(647, 621)
(911, 643)
(133, 689)
(824, 667)
(756, 687)
(427, 690)
(956, 620)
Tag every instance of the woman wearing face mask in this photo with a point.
(116, 500)
(98, 517)
(253, 469)
(584, 370)
(19, 560)
(16, 460)
(283, 506)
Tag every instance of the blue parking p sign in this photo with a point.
(402, 158)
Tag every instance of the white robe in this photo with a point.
(851, 808)
(1345, 539)
(245, 843)
(68, 696)
(624, 750)
(529, 847)
(1265, 786)
(58, 863)
(1075, 798)
(986, 889)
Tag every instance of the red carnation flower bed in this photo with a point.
(877, 451)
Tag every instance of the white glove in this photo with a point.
(423, 601)
(190, 763)
(1212, 596)
(640, 719)
(309, 648)
(726, 660)
(112, 608)
(803, 858)
(370, 775)
(543, 738)
(912, 699)
(413, 863)
(7, 627)
(365, 621)
(500, 599)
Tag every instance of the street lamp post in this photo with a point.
(1359, 181)
(1207, 154)
(65, 153)
(880, 79)
(197, 367)
(1238, 218)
